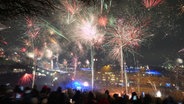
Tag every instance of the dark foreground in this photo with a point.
(20, 95)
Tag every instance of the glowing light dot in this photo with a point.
(158, 94)
(86, 84)
(179, 61)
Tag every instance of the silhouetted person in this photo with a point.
(77, 97)
(91, 98)
(109, 98)
(134, 99)
(57, 97)
(169, 100)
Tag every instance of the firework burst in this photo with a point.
(152, 3)
(70, 9)
(105, 5)
(25, 79)
(72, 6)
(32, 30)
(102, 21)
(42, 36)
(86, 31)
(126, 35)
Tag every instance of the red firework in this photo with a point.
(33, 30)
(23, 49)
(102, 21)
(152, 3)
(126, 34)
(2, 40)
(71, 6)
(25, 79)
(29, 22)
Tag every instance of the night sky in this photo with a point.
(168, 29)
(167, 25)
(166, 43)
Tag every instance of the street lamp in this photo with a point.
(179, 61)
(92, 68)
(32, 56)
(123, 70)
(34, 65)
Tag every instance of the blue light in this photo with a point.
(153, 72)
(132, 70)
(78, 85)
(85, 69)
(168, 84)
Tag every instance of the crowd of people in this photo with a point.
(27, 95)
